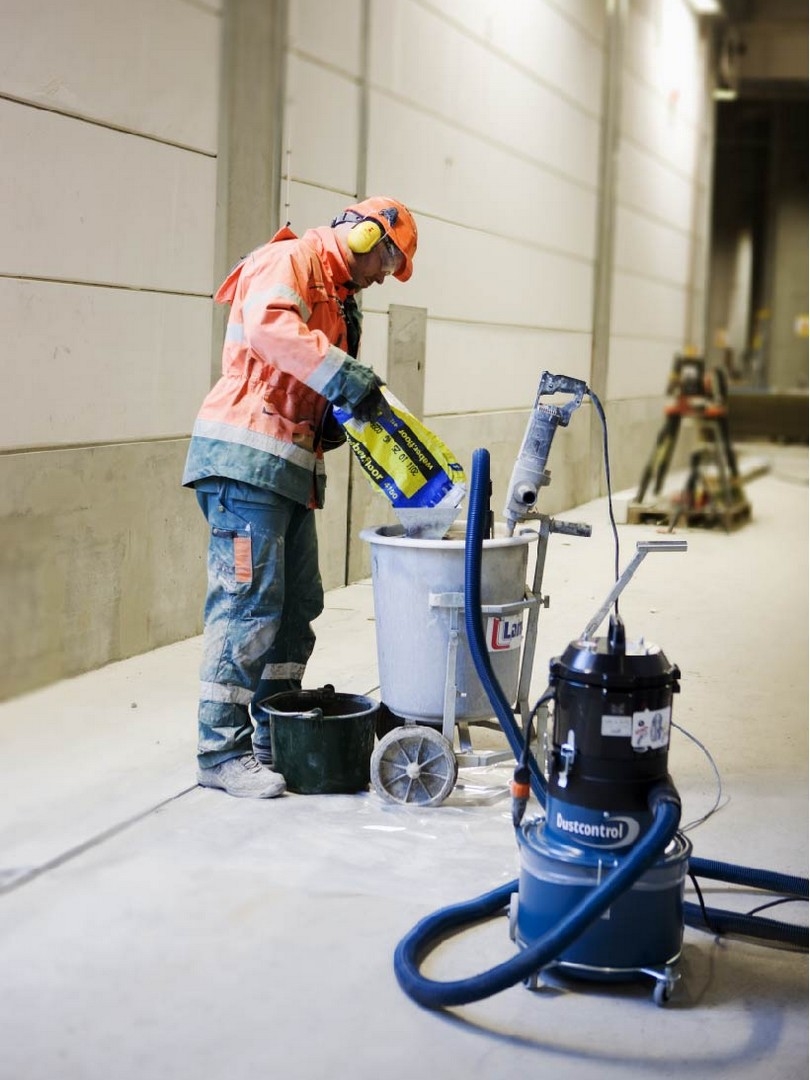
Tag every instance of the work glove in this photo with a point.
(373, 407)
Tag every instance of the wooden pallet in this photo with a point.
(672, 513)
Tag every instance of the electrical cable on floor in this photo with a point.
(721, 922)
(776, 903)
(718, 802)
(701, 903)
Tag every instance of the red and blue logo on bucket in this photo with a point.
(504, 633)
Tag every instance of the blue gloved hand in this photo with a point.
(373, 407)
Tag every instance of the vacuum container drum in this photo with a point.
(643, 928)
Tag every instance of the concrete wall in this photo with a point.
(107, 200)
(488, 123)
(661, 220)
(542, 245)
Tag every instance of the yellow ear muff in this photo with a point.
(364, 236)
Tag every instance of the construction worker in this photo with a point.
(256, 463)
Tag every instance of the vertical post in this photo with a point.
(363, 102)
(697, 314)
(250, 151)
(405, 373)
(616, 21)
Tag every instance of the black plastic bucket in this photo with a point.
(322, 741)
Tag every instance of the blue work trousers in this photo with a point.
(264, 591)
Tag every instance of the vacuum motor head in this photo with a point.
(610, 741)
(598, 662)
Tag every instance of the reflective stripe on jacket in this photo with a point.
(283, 359)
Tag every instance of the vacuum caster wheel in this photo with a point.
(514, 905)
(664, 987)
(414, 764)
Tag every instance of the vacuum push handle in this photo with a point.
(643, 548)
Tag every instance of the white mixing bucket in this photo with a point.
(419, 608)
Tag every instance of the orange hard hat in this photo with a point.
(396, 222)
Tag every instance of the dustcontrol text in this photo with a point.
(609, 832)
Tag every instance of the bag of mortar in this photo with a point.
(410, 465)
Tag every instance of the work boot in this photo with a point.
(243, 777)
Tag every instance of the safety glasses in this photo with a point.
(391, 258)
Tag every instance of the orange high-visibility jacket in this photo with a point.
(283, 360)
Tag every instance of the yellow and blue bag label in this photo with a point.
(407, 462)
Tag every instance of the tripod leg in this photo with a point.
(673, 427)
(686, 502)
(654, 462)
(731, 456)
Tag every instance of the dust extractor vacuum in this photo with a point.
(600, 894)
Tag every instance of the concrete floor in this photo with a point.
(153, 929)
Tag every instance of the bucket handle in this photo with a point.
(310, 714)
(327, 694)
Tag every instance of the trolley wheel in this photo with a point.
(414, 764)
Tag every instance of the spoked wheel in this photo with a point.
(414, 764)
